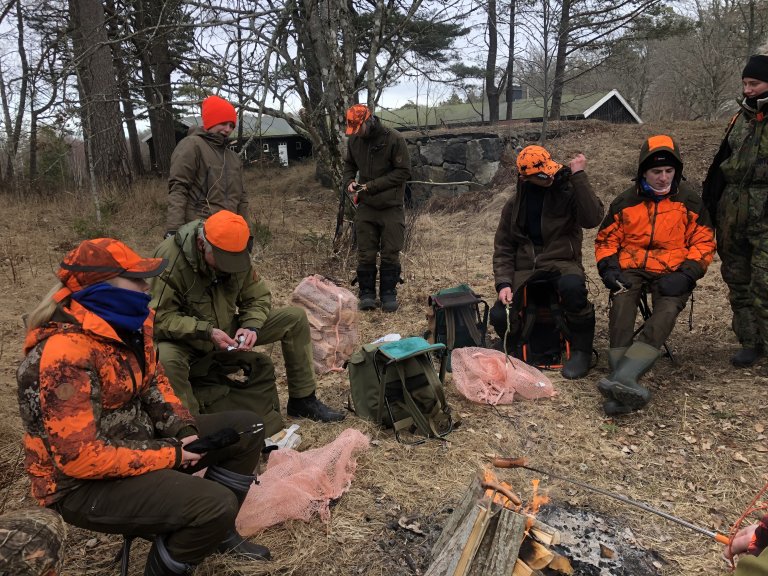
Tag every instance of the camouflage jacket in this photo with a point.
(191, 299)
(206, 176)
(88, 411)
(745, 170)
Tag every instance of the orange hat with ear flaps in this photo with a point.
(216, 110)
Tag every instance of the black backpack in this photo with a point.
(457, 317)
(543, 340)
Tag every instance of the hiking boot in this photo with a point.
(615, 408)
(366, 280)
(310, 407)
(160, 563)
(622, 385)
(233, 543)
(241, 549)
(747, 357)
(577, 366)
(390, 276)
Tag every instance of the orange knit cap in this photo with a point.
(216, 110)
(101, 259)
(230, 239)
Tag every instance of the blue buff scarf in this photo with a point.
(121, 308)
(650, 192)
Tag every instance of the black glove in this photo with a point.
(675, 283)
(611, 275)
(169, 233)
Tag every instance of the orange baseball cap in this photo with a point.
(356, 117)
(230, 238)
(536, 161)
(100, 259)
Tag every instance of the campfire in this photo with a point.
(491, 530)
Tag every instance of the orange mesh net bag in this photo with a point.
(487, 377)
(298, 485)
(333, 318)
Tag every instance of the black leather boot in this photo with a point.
(366, 281)
(582, 333)
(310, 407)
(160, 563)
(747, 356)
(233, 543)
(390, 276)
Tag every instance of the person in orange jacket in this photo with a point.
(751, 545)
(656, 235)
(106, 438)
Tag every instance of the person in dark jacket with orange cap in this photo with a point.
(376, 168)
(656, 235)
(107, 442)
(206, 175)
(736, 194)
(539, 236)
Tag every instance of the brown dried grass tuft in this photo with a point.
(682, 454)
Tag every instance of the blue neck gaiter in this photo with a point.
(121, 308)
(649, 192)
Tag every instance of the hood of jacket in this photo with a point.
(213, 138)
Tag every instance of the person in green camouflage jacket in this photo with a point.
(212, 309)
(376, 167)
(736, 194)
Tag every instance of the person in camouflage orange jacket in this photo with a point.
(656, 235)
(105, 436)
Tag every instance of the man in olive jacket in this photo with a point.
(212, 308)
(539, 237)
(206, 175)
(376, 167)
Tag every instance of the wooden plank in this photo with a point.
(458, 516)
(448, 558)
(509, 535)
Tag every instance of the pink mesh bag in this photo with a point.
(298, 485)
(487, 377)
(333, 319)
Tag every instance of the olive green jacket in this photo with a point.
(206, 176)
(570, 205)
(191, 299)
(384, 165)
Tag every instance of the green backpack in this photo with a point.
(395, 384)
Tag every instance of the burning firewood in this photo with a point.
(490, 530)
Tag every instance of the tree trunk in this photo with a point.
(562, 52)
(100, 102)
(511, 61)
(491, 90)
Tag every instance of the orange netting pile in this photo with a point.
(333, 316)
(298, 485)
(488, 377)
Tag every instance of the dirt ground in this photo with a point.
(698, 451)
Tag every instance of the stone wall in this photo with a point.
(446, 158)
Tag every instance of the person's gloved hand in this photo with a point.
(611, 275)
(675, 283)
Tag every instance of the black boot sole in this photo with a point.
(634, 398)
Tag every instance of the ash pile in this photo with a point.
(598, 545)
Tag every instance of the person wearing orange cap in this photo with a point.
(107, 441)
(656, 236)
(376, 168)
(212, 309)
(206, 175)
(539, 239)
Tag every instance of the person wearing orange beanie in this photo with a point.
(206, 174)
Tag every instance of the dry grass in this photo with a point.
(682, 454)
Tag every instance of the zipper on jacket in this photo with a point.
(127, 366)
(653, 229)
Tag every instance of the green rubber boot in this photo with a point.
(623, 385)
(615, 355)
